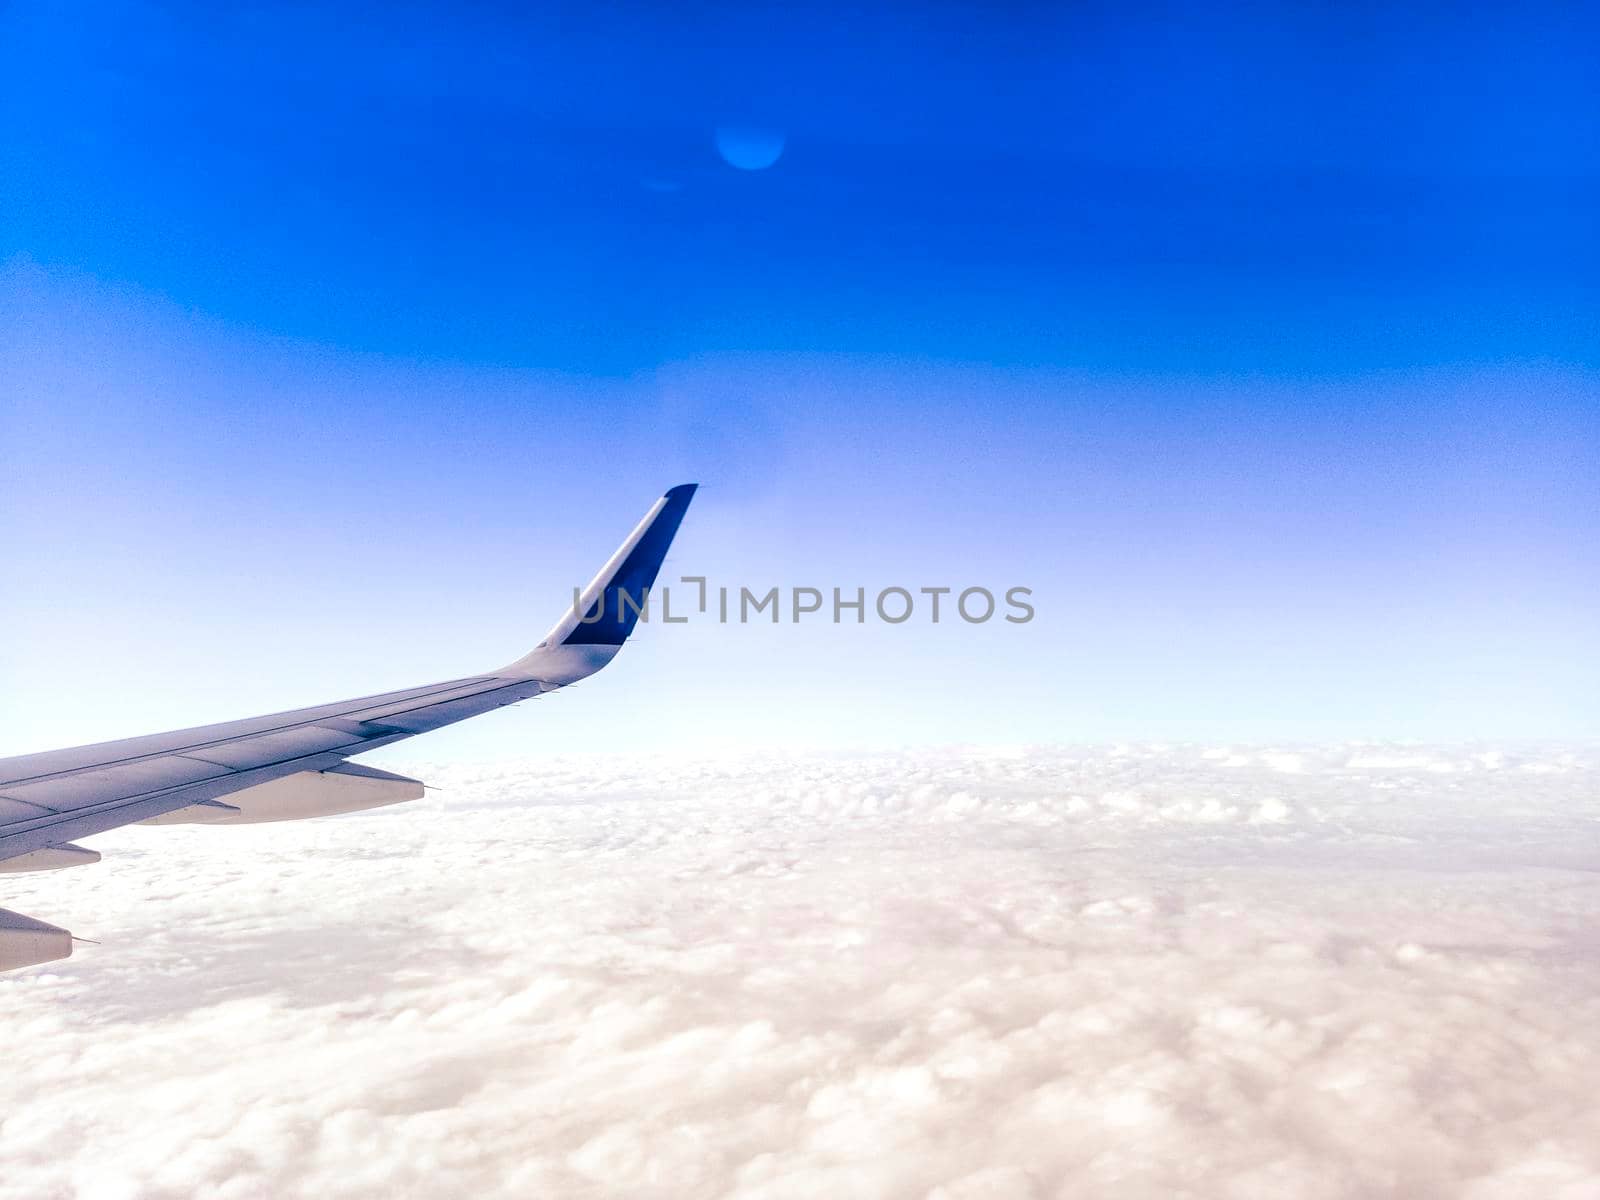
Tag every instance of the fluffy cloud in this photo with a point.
(1137, 971)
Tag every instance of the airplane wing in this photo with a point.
(293, 764)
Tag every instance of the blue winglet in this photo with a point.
(611, 617)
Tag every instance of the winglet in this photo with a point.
(591, 632)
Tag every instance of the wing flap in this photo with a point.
(79, 789)
(28, 767)
(273, 747)
(13, 812)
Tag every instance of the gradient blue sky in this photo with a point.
(340, 342)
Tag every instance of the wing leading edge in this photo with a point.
(293, 764)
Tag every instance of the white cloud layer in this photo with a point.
(1135, 972)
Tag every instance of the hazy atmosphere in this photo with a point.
(339, 345)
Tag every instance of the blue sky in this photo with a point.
(1261, 343)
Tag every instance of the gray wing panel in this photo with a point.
(50, 798)
(54, 762)
(81, 789)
